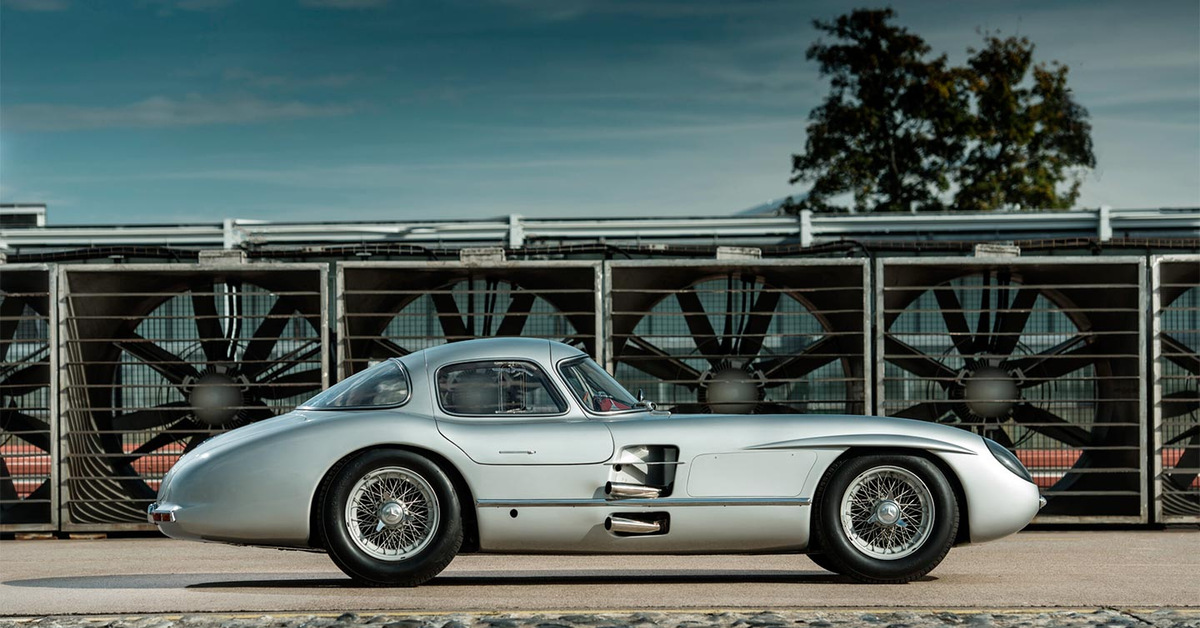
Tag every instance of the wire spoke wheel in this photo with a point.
(392, 513)
(887, 512)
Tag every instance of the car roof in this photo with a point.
(538, 349)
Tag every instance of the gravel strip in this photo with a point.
(1101, 618)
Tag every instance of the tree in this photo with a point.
(1026, 139)
(898, 130)
(891, 123)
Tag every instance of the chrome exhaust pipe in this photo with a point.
(621, 490)
(631, 526)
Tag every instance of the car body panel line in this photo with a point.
(867, 440)
(666, 502)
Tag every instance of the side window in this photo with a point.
(497, 387)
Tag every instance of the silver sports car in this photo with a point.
(521, 445)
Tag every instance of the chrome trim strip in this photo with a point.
(665, 502)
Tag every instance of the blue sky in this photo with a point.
(124, 111)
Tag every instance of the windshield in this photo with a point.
(595, 389)
(384, 384)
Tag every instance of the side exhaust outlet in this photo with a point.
(621, 490)
(623, 525)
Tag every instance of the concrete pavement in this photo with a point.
(1126, 569)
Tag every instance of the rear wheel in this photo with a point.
(885, 519)
(391, 518)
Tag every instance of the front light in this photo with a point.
(1008, 459)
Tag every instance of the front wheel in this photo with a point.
(391, 518)
(885, 519)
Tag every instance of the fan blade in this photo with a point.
(761, 314)
(449, 317)
(150, 417)
(267, 335)
(772, 407)
(691, 408)
(912, 360)
(652, 360)
(1052, 425)
(26, 380)
(700, 327)
(194, 442)
(998, 434)
(8, 490)
(1054, 362)
(517, 315)
(282, 364)
(390, 348)
(35, 431)
(11, 309)
(931, 411)
(956, 321)
(181, 430)
(169, 365)
(1011, 322)
(1192, 433)
(1182, 480)
(983, 328)
(1180, 402)
(811, 358)
(1180, 354)
(292, 384)
(213, 341)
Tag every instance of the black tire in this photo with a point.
(822, 561)
(359, 563)
(845, 557)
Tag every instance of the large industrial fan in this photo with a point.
(159, 359)
(757, 337)
(1039, 355)
(1177, 391)
(26, 439)
(392, 309)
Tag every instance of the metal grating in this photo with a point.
(741, 337)
(1043, 355)
(158, 358)
(28, 487)
(1175, 375)
(390, 309)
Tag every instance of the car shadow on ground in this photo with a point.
(204, 581)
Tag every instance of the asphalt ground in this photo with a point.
(1113, 569)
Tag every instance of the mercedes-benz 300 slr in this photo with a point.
(517, 445)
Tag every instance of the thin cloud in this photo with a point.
(345, 4)
(38, 6)
(164, 112)
(257, 80)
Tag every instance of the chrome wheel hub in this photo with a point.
(887, 512)
(392, 513)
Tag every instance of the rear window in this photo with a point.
(382, 385)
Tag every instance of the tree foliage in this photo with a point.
(900, 131)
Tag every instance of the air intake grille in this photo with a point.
(1176, 399)
(753, 337)
(393, 309)
(27, 486)
(1040, 355)
(157, 359)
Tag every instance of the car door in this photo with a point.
(509, 412)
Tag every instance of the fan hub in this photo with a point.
(991, 392)
(733, 391)
(216, 398)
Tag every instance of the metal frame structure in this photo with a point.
(514, 268)
(52, 398)
(883, 265)
(514, 231)
(74, 383)
(1159, 310)
(716, 266)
